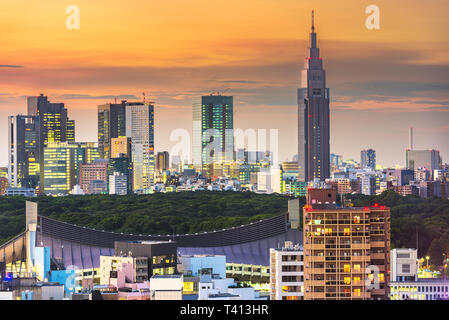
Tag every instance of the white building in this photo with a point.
(368, 184)
(140, 128)
(423, 289)
(287, 272)
(215, 288)
(118, 183)
(405, 284)
(404, 265)
(166, 287)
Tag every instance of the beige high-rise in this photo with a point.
(346, 250)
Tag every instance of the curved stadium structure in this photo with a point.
(72, 245)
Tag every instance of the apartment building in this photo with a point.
(346, 250)
(287, 272)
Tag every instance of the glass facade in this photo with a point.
(62, 162)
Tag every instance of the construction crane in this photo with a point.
(220, 93)
(144, 99)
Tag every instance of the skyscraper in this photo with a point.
(213, 135)
(313, 117)
(429, 159)
(111, 124)
(120, 147)
(54, 121)
(368, 159)
(140, 128)
(62, 161)
(24, 151)
(55, 126)
(162, 161)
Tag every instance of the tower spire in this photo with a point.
(313, 21)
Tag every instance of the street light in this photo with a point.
(427, 258)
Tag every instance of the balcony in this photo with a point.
(316, 283)
(316, 258)
(360, 246)
(359, 258)
(377, 244)
(316, 295)
(377, 256)
(377, 292)
(317, 270)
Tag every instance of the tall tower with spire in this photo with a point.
(313, 117)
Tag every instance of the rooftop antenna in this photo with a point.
(313, 20)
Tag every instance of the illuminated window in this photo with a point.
(357, 267)
(347, 280)
(357, 219)
(346, 231)
(347, 268)
(382, 278)
(357, 292)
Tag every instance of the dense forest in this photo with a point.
(159, 213)
(190, 212)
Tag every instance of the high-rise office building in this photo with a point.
(62, 161)
(55, 125)
(368, 159)
(429, 159)
(213, 131)
(54, 121)
(121, 147)
(124, 166)
(111, 124)
(346, 250)
(313, 117)
(162, 161)
(96, 170)
(140, 128)
(118, 183)
(24, 152)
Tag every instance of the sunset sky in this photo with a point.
(381, 81)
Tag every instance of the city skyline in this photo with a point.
(365, 68)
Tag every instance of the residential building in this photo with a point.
(404, 265)
(287, 272)
(346, 250)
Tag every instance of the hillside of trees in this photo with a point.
(413, 217)
(159, 213)
(190, 212)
